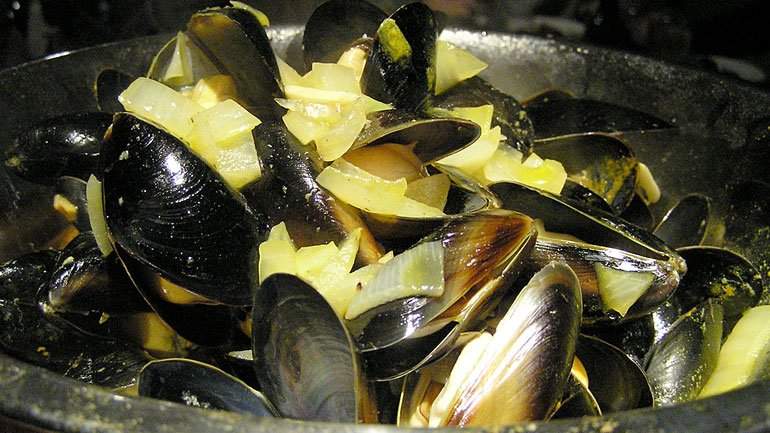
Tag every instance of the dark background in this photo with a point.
(728, 36)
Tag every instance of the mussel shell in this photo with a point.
(616, 381)
(639, 214)
(634, 337)
(576, 192)
(600, 162)
(203, 324)
(546, 96)
(686, 222)
(201, 65)
(74, 190)
(681, 363)
(608, 240)
(527, 377)
(571, 116)
(578, 401)
(110, 83)
(435, 137)
(237, 43)
(288, 192)
(172, 213)
(84, 281)
(508, 114)
(408, 79)
(66, 145)
(22, 277)
(722, 274)
(335, 26)
(494, 243)
(200, 385)
(303, 356)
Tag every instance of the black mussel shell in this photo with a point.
(67, 145)
(576, 192)
(110, 83)
(478, 248)
(600, 162)
(197, 384)
(237, 43)
(722, 274)
(335, 26)
(303, 356)
(682, 362)
(686, 222)
(639, 214)
(288, 192)
(571, 116)
(201, 323)
(401, 68)
(577, 401)
(508, 113)
(546, 96)
(435, 137)
(172, 213)
(634, 337)
(616, 381)
(84, 281)
(605, 240)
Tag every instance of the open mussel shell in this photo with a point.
(600, 162)
(66, 145)
(578, 400)
(721, 274)
(237, 43)
(435, 137)
(615, 380)
(686, 222)
(204, 324)
(634, 337)
(577, 192)
(304, 357)
(525, 368)
(606, 243)
(546, 96)
(197, 384)
(176, 216)
(493, 242)
(201, 65)
(288, 192)
(401, 68)
(508, 114)
(682, 362)
(335, 26)
(84, 281)
(639, 214)
(26, 333)
(571, 116)
(110, 83)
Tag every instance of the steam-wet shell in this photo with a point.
(303, 356)
(67, 145)
(435, 137)
(407, 79)
(237, 43)
(288, 192)
(200, 385)
(335, 26)
(685, 223)
(172, 213)
(526, 377)
(683, 361)
(508, 114)
(572, 116)
(478, 248)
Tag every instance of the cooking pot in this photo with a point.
(720, 143)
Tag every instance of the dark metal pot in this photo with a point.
(713, 148)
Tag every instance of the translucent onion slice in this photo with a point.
(96, 215)
(161, 105)
(453, 65)
(418, 271)
(619, 289)
(745, 355)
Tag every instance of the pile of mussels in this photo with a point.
(521, 331)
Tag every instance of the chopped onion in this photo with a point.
(418, 271)
(96, 215)
(453, 65)
(620, 289)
